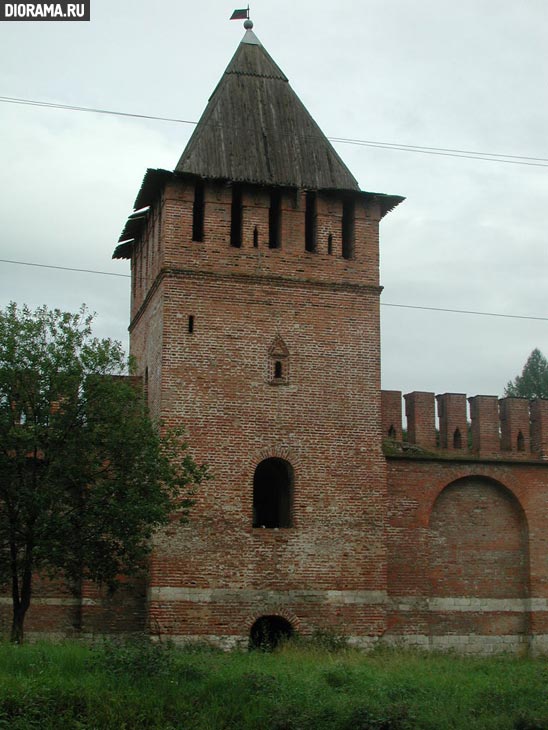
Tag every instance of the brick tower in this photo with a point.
(255, 323)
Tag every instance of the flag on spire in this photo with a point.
(240, 14)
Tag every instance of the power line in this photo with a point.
(484, 156)
(466, 311)
(64, 268)
(412, 147)
(383, 304)
(73, 108)
(439, 151)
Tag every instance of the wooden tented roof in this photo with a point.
(256, 129)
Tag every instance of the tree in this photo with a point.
(85, 476)
(533, 381)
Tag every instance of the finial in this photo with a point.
(242, 14)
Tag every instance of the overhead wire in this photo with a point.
(75, 108)
(447, 152)
(64, 268)
(509, 159)
(383, 304)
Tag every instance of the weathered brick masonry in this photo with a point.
(255, 323)
(220, 572)
(474, 519)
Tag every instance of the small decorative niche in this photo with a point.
(278, 362)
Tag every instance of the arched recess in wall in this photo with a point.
(478, 550)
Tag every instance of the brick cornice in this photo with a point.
(215, 276)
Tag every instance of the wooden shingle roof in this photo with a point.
(256, 129)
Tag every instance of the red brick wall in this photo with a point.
(290, 262)
(325, 420)
(471, 531)
(432, 544)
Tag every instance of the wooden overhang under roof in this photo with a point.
(155, 180)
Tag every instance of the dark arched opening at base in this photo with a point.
(268, 632)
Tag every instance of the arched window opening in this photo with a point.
(457, 439)
(348, 229)
(268, 632)
(310, 222)
(520, 442)
(255, 237)
(392, 432)
(198, 209)
(236, 217)
(278, 369)
(272, 492)
(274, 218)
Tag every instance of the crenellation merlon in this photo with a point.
(391, 414)
(420, 412)
(485, 428)
(515, 423)
(453, 424)
(539, 428)
(505, 428)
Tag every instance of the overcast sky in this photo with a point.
(470, 75)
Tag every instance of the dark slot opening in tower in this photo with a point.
(274, 219)
(310, 222)
(190, 324)
(255, 237)
(278, 369)
(330, 244)
(236, 217)
(198, 209)
(348, 229)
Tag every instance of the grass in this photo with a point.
(299, 687)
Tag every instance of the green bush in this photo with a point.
(136, 658)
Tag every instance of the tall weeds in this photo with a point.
(302, 686)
